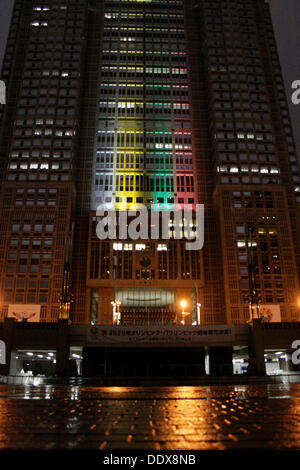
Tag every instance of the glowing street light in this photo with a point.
(116, 312)
(183, 304)
(198, 313)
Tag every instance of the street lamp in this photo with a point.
(116, 312)
(253, 297)
(198, 313)
(66, 297)
(183, 304)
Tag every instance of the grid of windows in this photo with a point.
(242, 131)
(190, 103)
(38, 150)
(144, 109)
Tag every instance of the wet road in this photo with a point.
(186, 418)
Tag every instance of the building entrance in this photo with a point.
(143, 362)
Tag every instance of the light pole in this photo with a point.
(116, 312)
(253, 297)
(198, 313)
(66, 298)
(183, 313)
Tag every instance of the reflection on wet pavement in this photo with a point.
(214, 417)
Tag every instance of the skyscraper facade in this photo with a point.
(39, 132)
(165, 104)
(142, 155)
(252, 154)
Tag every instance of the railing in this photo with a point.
(281, 326)
(36, 326)
(134, 322)
(21, 380)
(237, 379)
(147, 316)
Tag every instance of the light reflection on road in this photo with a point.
(207, 417)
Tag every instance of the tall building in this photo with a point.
(242, 122)
(118, 103)
(142, 154)
(43, 72)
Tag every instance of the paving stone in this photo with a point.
(172, 418)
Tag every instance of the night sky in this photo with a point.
(286, 18)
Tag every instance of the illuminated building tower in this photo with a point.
(42, 71)
(160, 103)
(242, 122)
(142, 154)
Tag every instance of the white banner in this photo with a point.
(151, 335)
(270, 313)
(25, 312)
